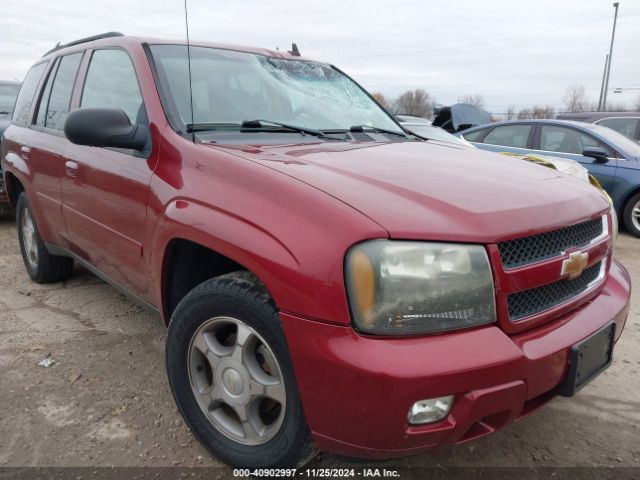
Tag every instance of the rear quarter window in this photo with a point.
(625, 126)
(27, 92)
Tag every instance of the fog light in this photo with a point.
(429, 411)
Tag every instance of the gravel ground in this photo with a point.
(106, 401)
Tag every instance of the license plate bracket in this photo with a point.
(588, 359)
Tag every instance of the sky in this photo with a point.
(510, 52)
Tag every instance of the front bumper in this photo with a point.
(356, 390)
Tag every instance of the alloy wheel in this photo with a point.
(635, 216)
(237, 381)
(29, 238)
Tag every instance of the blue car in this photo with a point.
(609, 156)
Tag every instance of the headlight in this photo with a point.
(398, 288)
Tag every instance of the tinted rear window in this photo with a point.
(25, 97)
(54, 106)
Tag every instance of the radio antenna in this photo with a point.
(186, 22)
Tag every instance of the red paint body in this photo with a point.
(289, 213)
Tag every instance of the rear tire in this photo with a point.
(41, 266)
(232, 377)
(631, 215)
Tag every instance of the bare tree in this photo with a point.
(382, 100)
(575, 98)
(636, 105)
(415, 102)
(539, 111)
(476, 100)
(617, 107)
(510, 114)
(524, 114)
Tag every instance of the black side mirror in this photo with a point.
(104, 127)
(596, 153)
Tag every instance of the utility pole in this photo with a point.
(613, 35)
(604, 76)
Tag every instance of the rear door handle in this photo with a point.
(25, 152)
(71, 168)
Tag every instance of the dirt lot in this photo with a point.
(106, 400)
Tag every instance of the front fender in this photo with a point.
(310, 286)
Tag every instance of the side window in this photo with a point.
(25, 97)
(475, 136)
(566, 140)
(46, 92)
(626, 126)
(509, 136)
(112, 83)
(56, 98)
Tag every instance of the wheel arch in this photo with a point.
(196, 242)
(626, 197)
(186, 264)
(14, 188)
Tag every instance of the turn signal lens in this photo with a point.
(363, 284)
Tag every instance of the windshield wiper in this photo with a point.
(364, 128)
(257, 124)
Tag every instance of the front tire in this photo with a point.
(631, 215)
(231, 375)
(41, 266)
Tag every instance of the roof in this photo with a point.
(553, 121)
(116, 38)
(537, 120)
(593, 116)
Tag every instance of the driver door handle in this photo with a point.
(71, 168)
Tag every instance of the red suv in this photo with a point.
(328, 281)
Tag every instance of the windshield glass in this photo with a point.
(232, 87)
(8, 94)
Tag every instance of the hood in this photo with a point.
(425, 190)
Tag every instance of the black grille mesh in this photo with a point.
(523, 251)
(536, 300)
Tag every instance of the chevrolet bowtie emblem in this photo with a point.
(573, 266)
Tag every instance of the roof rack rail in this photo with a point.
(84, 40)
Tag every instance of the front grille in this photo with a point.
(523, 251)
(536, 300)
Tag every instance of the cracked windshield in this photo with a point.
(230, 88)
